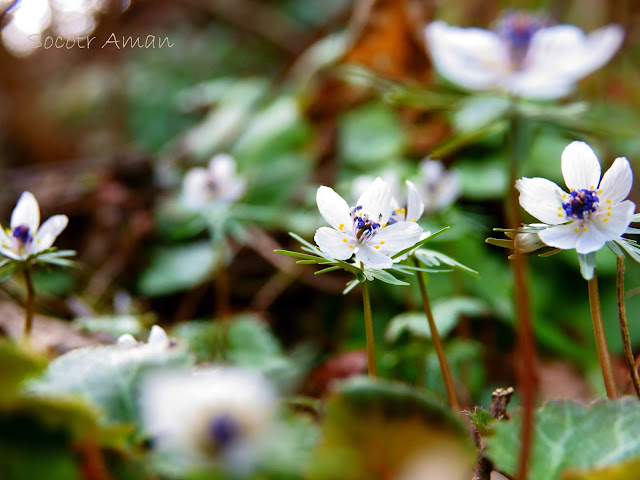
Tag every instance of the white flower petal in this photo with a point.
(27, 212)
(334, 243)
(473, 58)
(561, 236)
(415, 207)
(615, 224)
(333, 208)
(537, 84)
(49, 231)
(195, 193)
(222, 167)
(11, 253)
(377, 200)
(580, 167)
(591, 238)
(396, 237)
(158, 337)
(567, 52)
(616, 182)
(372, 258)
(127, 340)
(543, 199)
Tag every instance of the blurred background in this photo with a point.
(103, 130)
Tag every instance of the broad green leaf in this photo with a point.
(570, 436)
(370, 134)
(432, 258)
(174, 269)
(446, 313)
(478, 111)
(116, 325)
(18, 364)
(109, 376)
(382, 429)
(483, 180)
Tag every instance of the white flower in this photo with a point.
(592, 213)
(439, 188)
(216, 185)
(523, 57)
(24, 239)
(369, 229)
(157, 338)
(362, 182)
(215, 414)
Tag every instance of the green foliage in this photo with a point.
(378, 428)
(568, 435)
(18, 364)
(370, 134)
(109, 376)
(481, 420)
(178, 268)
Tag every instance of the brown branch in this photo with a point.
(500, 398)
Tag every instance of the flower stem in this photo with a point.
(601, 339)
(624, 329)
(368, 325)
(526, 371)
(28, 310)
(437, 343)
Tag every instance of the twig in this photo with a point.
(500, 398)
(624, 328)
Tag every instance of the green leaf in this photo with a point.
(478, 111)
(483, 180)
(629, 470)
(420, 243)
(115, 325)
(109, 376)
(383, 276)
(174, 269)
(446, 313)
(481, 420)
(18, 363)
(370, 134)
(378, 428)
(568, 435)
(432, 258)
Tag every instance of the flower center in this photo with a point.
(517, 30)
(222, 430)
(22, 234)
(581, 204)
(364, 228)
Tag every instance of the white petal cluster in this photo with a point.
(374, 230)
(216, 415)
(593, 212)
(524, 57)
(26, 237)
(158, 338)
(218, 185)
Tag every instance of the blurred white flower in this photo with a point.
(523, 57)
(362, 182)
(369, 230)
(218, 185)
(592, 213)
(157, 338)
(26, 237)
(215, 415)
(439, 188)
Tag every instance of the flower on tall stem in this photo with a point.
(439, 188)
(523, 57)
(26, 243)
(592, 212)
(369, 230)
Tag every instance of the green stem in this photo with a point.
(437, 343)
(368, 325)
(624, 329)
(526, 371)
(28, 309)
(601, 339)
